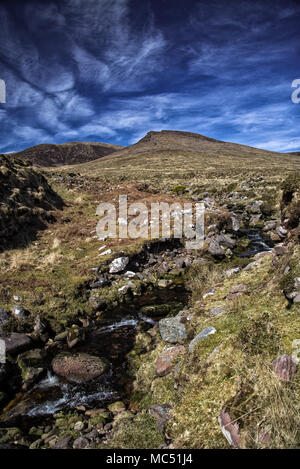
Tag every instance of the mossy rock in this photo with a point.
(141, 432)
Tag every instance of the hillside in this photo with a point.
(26, 202)
(167, 158)
(125, 343)
(47, 154)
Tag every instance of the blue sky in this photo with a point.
(112, 70)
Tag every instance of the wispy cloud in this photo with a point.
(111, 71)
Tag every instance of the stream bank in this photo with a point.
(149, 288)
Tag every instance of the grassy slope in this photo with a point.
(251, 332)
(165, 161)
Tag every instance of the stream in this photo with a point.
(113, 341)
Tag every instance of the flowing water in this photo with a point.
(112, 341)
(258, 243)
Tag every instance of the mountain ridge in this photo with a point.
(52, 155)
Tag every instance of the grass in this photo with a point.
(232, 368)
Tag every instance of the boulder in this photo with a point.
(284, 367)
(79, 367)
(118, 265)
(17, 343)
(81, 443)
(201, 336)
(165, 361)
(215, 249)
(172, 329)
(63, 443)
(225, 241)
(32, 365)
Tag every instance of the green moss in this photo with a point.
(138, 433)
(179, 189)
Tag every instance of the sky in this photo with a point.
(113, 70)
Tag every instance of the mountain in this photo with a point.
(166, 157)
(47, 154)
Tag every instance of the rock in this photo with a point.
(262, 254)
(100, 282)
(32, 365)
(274, 236)
(281, 231)
(254, 207)
(105, 253)
(230, 272)
(271, 225)
(79, 367)
(229, 429)
(236, 225)
(215, 311)
(17, 343)
(172, 330)
(215, 249)
(232, 296)
(4, 317)
(297, 283)
(63, 443)
(284, 367)
(80, 443)
(209, 292)
(118, 265)
(255, 220)
(164, 363)
(225, 241)
(161, 413)
(297, 298)
(79, 426)
(280, 250)
(93, 412)
(180, 262)
(250, 266)
(240, 288)
(201, 336)
(125, 288)
(96, 303)
(19, 312)
(129, 274)
(40, 325)
(116, 407)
